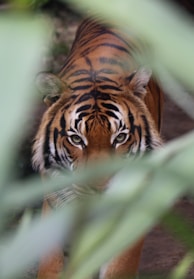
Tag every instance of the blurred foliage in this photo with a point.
(147, 188)
(166, 30)
(29, 4)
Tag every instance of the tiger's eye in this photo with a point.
(120, 138)
(76, 139)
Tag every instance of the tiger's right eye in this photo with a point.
(120, 138)
(76, 139)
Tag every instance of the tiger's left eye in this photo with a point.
(120, 138)
(76, 139)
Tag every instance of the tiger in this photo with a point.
(101, 103)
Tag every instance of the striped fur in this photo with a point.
(100, 104)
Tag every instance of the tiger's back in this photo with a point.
(111, 54)
(100, 104)
(99, 66)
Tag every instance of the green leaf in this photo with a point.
(168, 31)
(22, 39)
(139, 195)
(35, 241)
(181, 270)
(33, 4)
(123, 219)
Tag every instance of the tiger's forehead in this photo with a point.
(97, 102)
(108, 111)
(94, 122)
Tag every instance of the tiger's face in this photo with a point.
(93, 130)
(85, 127)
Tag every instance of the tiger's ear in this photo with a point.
(50, 86)
(138, 81)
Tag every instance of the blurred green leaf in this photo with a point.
(35, 241)
(138, 195)
(22, 39)
(123, 219)
(32, 4)
(168, 32)
(168, 159)
(181, 270)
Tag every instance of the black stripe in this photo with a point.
(87, 50)
(148, 135)
(82, 80)
(80, 118)
(92, 116)
(130, 77)
(121, 39)
(111, 61)
(100, 79)
(83, 98)
(71, 130)
(110, 113)
(63, 122)
(95, 107)
(46, 149)
(88, 61)
(120, 124)
(83, 108)
(77, 122)
(118, 47)
(107, 71)
(80, 87)
(56, 133)
(83, 114)
(99, 95)
(80, 72)
(63, 126)
(67, 68)
(139, 131)
(110, 106)
(87, 127)
(66, 107)
(140, 138)
(73, 96)
(131, 121)
(110, 87)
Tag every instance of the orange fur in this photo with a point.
(114, 107)
(125, 265)
(51, 266)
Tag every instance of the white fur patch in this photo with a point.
(38, 157)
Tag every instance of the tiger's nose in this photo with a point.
(97, 157)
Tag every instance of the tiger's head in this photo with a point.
(94, 123)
